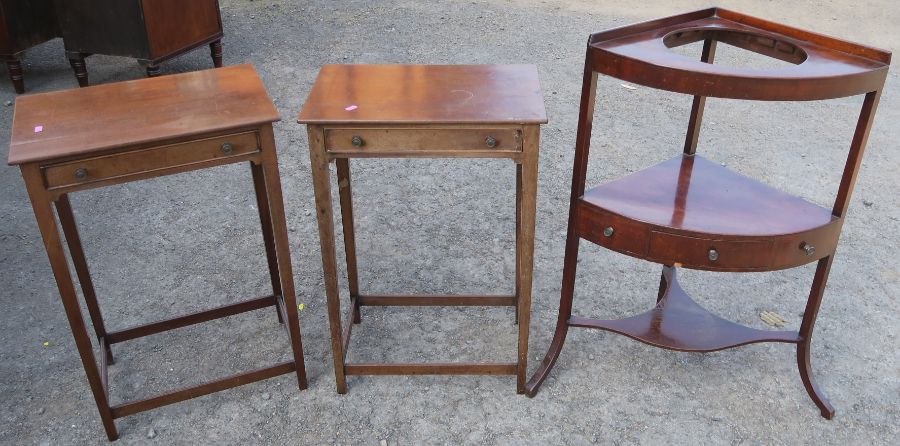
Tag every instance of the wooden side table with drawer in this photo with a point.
(423, 111)
(81, 139)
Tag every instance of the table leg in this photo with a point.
(14, 66)
(43, 213)
(76, 60)
(265, 219)
(806, 331)
(282, 248)
(322, 185)
(343, 177)
(73, 241)
(215, 51)
(518, 230)
(527, 190)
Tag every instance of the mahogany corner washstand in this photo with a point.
(694, 213)
(144, 129)
(422, 111)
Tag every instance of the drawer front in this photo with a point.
(710, 254)
(611, 231)
(348, 140)
(151, 159)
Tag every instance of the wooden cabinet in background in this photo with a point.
(151, 31)
(24, 24)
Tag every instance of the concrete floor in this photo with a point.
(190, 241)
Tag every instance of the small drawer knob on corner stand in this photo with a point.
(357, 141)
(81, 173)
(608, 231)
(227, 148)
(807, 248)
(713, 255)
(490, 141)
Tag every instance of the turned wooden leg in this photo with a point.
(15, 75)
(79, 67)
(153, 70)
(215, 50)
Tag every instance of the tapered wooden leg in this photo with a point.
(806, 331)
(47, 224)
(579, 171)
(73, 241)
(215, 50)
(14, 66)
(518, 230)
(265, 219)
(343, 176)
(321, 183)
(76, 60)
(565, 312)
(282, 248)
(525, 245)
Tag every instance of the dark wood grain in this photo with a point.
(697, 214)
(422, 111)
(825, 67)
(422, 94)
(146, 129)
(24, 24)
(128, 113)
(151, 31)
(713, 199)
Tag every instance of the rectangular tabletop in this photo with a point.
(81, 121)
(425, 94)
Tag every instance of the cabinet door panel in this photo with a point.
(112, 27)
(175, 25)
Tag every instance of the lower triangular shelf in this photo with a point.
(679, 323)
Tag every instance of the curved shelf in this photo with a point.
(824, 67)
(682, 209)
(678, 323)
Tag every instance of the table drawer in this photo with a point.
(710, 254)
(147, 160)
(611, 231)
(350, 140)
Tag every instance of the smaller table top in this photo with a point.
(425, 94)
(92, 119)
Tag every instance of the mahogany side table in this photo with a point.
(422, 111)
(144, 129)
(693, 213)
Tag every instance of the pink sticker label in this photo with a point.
(350, 107)
(38, 129)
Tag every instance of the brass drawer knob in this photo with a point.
(713, 255)
(81, 173)
(608, 231)
(357, 141)
(807, 248)
(227, 148)
(490, 141)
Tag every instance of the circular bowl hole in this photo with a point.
(763, 44)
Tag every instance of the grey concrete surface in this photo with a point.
(190, 241)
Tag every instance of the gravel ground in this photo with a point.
(190, 241)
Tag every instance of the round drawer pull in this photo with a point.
(357, 141)
(608, 231)
(227, 148)
(807, 248)
(490, 141)
(713, 255)
(81, 173)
